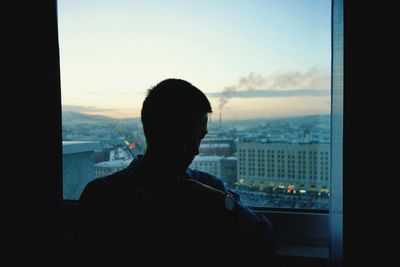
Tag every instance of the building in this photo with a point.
(284, 165)
(119, 159)
(229, 171)
(108, 167)
(78, 168)
(102, 155)
(222, 167)
(215, 149)
(219, 141)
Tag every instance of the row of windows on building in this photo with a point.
(280, 152)
(289, 157)
(283, 163)
(103, 171)
(304, 176)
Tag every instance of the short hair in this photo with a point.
(169, 110)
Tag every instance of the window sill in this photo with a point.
(304, 251)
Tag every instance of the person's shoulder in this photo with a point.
(106, 185)
(95, 189)
(206, 178)
(201, 175)
(120, 178)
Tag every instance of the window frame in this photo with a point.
(287, 220)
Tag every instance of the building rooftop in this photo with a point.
(217, 139)
(214, 145)
(72, 147)
(114, 163)
(230, 158)
(207, 158)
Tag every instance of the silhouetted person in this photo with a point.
(158, 208)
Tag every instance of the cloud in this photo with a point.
(279, 84)
(314, 78)
(268, 93)
(85, 109)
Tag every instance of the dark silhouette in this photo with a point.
(158, 209)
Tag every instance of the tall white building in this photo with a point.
(284, 165)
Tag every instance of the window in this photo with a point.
(264, 65)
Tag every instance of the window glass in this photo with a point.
(264, 65)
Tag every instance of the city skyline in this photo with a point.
(253, 59)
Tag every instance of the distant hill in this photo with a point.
(310, 120)
(72, 117)
(324, 118)
(75, 118)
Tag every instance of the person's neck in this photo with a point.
(160, 162)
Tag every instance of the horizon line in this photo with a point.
(231, 119)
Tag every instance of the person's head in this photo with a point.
(174, 117)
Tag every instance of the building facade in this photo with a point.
(109, 167)
(78, 166)
(222, 167)
(215, 149)
(284, 165)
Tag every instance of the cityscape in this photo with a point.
(271, 163)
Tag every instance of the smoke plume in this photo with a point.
(314, 78)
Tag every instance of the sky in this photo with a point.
(253, 59)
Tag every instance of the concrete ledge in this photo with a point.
(71, 147)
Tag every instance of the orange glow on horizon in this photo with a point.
(238, 109)
(115, 114)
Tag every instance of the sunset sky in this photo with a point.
(253, 59)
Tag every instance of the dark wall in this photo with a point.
(32, 124)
